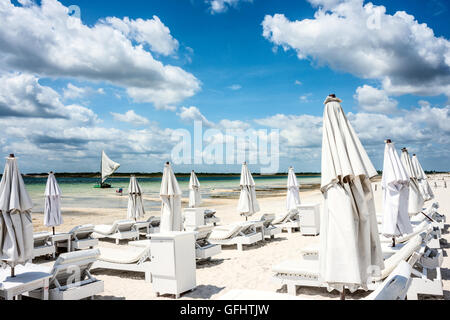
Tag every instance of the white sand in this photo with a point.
(250, 269)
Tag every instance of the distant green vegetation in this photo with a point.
(155, 174)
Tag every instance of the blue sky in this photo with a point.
(394, 81)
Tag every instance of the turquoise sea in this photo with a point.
(80, 192)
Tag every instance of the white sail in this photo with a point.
(108, 167)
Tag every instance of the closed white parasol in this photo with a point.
(248, 205)
(293, 196)
(395, 183)
(171, 218)
(52, 209)
(350, 245)
(135, 205)
(195, 198)
(16, 226)
(416, 200)
(425, 188)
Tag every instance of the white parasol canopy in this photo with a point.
(293, 196)
(425, 188)
(16, 226)
(52, 208)
(108, 167)
(248, 205)
(350, 244)
(395, 185)
(195, 199)
(416, 200)
(171, 218)
(135, 204)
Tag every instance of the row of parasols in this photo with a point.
(16, 229)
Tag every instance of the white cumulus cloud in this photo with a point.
(403, 54)
(44, 40)
(130, 117)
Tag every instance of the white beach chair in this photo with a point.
(119, 230)
(126, 258)
(81, 238)
(150, 226)
(426, 277)
(395, 287)
(210, 217)
(240, 234)
(306, 272)
(267, 228)
(71, 279)
(432, 240)
(43, 245)
(203, 248)
(288, 221)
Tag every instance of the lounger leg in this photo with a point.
(412, 295)
(45, 290)
(117, 241)
(292, 289)
(240, 247)
(148, 276)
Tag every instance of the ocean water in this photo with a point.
(80, 192)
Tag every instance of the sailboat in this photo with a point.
(107, 168)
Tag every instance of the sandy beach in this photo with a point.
(250, 269)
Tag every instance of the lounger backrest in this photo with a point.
(73, 266)
(402, 255)
(82, 232)
(203, 232)
(154, 221)
(124, 225)
(423, 227)
(209, 213)
(268, 219)
(282, 218)
(396, 286)
(41, 238)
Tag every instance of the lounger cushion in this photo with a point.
(225, 232)
(73, 257)
(126, 255)
(307, 269)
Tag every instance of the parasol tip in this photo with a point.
(388, 141)
(332, 95)
(168, 163)
(11, 155)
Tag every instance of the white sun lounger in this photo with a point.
(203, 248)
(150, 226)
(239, 234)
(71, 279)
(311, 252)
(81, 238)
(119, 230)
(43, 245)
(289, 221)
(395, 287)
(427, 278)
(432, 242)
(266, 225)
(306, 272)
(126, 258)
